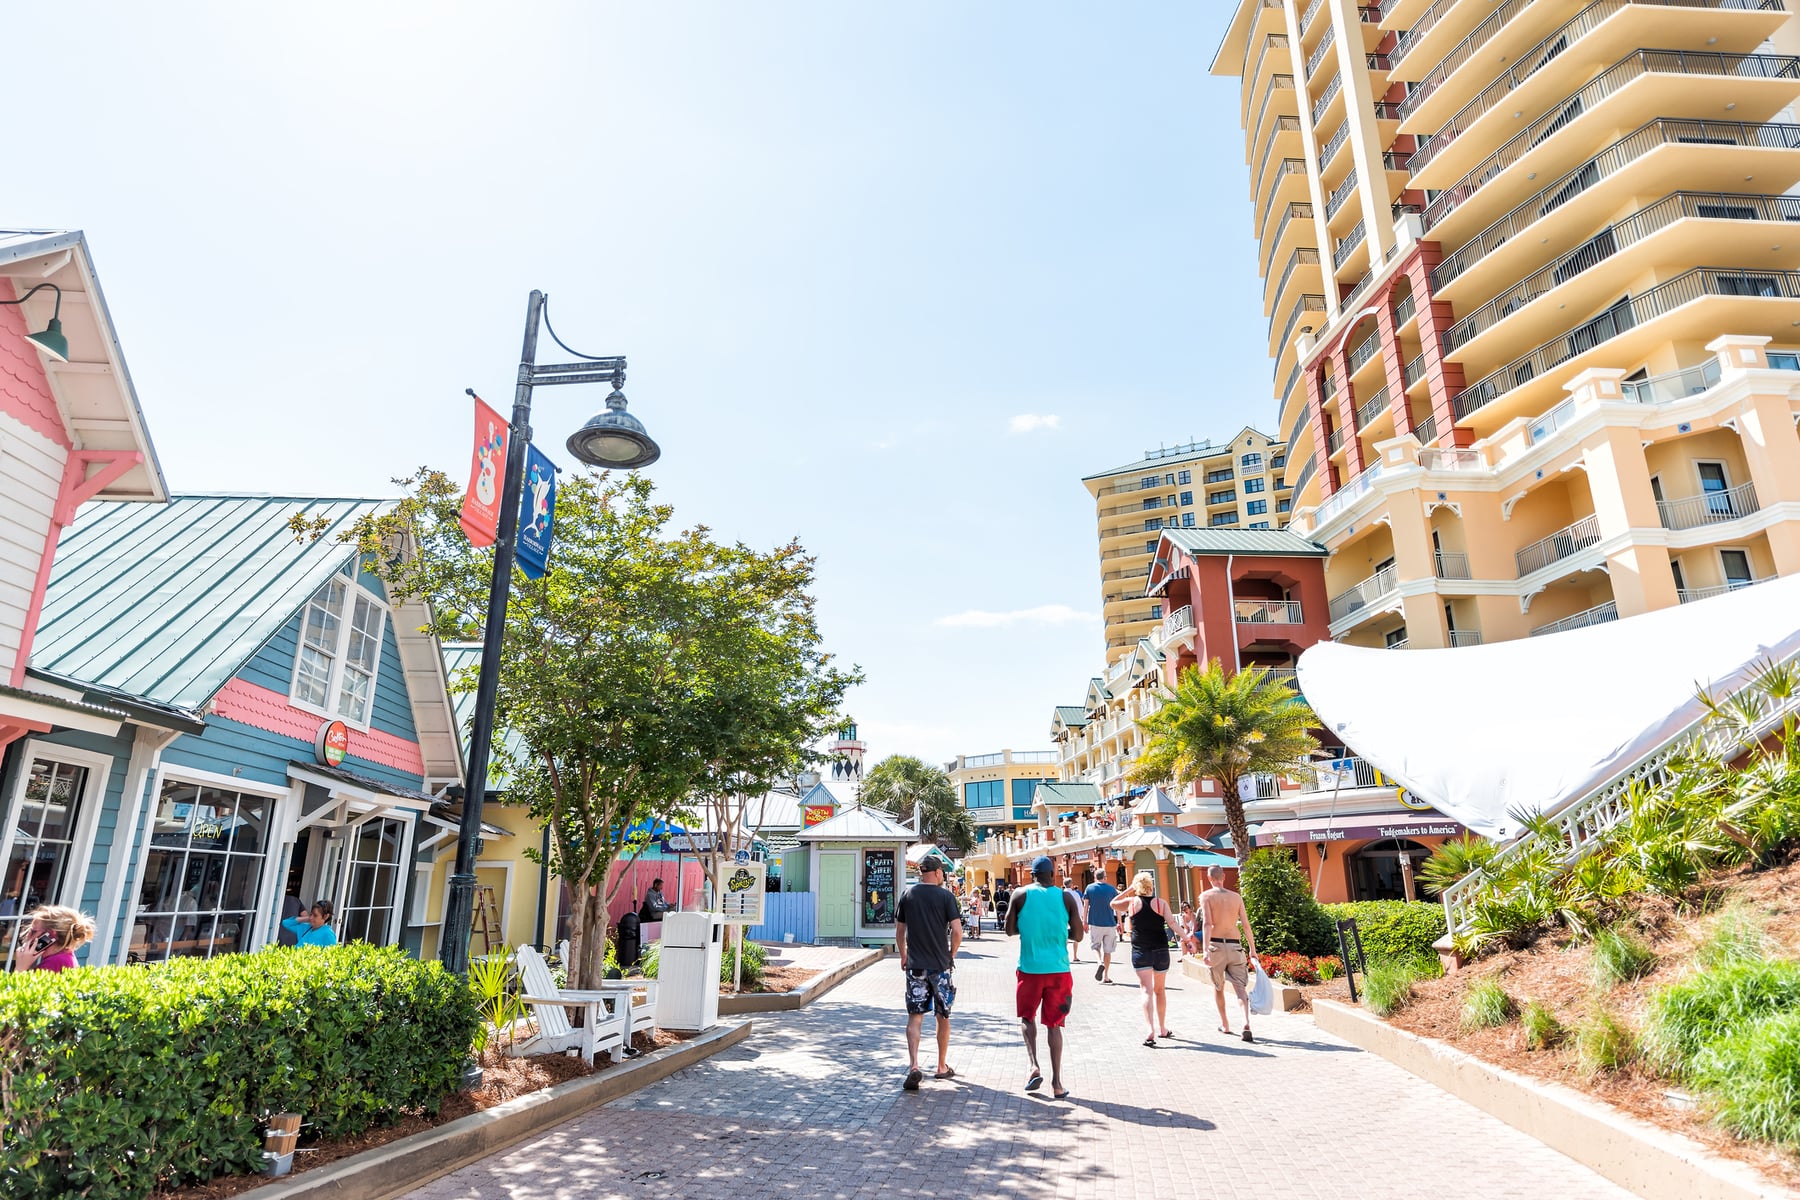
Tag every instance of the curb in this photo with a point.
(413, 1161)
(768, 1002)
(1655, 1163)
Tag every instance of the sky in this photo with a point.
(891, 278)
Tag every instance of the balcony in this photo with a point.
(1334, 145)
(1330, 94)
(1689, 595)
(1339, 195)
(1413, 371)
(1306, 474)
(1310, 302)
(1363, 351)
(1373, 407)
(1425, 24)
(1625, 315)
(1345, 496)
(1676, 385)
(1380, 585)
(1305, 256)
(1346, 247)
(1318, 56)
(1426, 432)
(1429, 83)
(1710, 508)
(1600, 614)
(1176, 623)
(1403, 311)
(1334, 441)
(1397, 644)
(1450, 564)
(1363, 775)
(1434, 459)
(1464, 637)
(1269, 612)
(1569, 540)
(1283, 124)
(1295, 211)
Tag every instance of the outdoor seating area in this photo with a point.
(610, 1014)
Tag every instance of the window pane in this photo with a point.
(1737, 567)
(240, 882)
(313, 683)
(250, 835)
(353, 701)
(365, 635)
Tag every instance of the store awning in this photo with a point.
(1361, 828)
(1205, 858)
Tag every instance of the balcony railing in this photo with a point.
(1334, 441)
(1292, 379)
(1397, 644)
(1689, 595)
(1310, 302)
(1345, 496)
(1305, 256)
(1306, 474)
(1306, 21)
(1340, 194)
(1413, 371)
(1283, 124)
(1382, 583)
(1364, 350)
(1403, 311)
(1614, 238)
(1179, 621)
(1281, 91)
(1369, 410)
(1464, 637)
(1425, 24)
(1330, 93)
(1434, 459)
(1365, 775)
(1127, 573)
(1269, 612)
(1634, 65)
(1426, 86)
(1426, 432)
(1676, 385)
(1623, 316)
(1318, 56)
(1709, 508)
(1346, 246)
(1569, 540)
(1334, 145)
(1285, 675)
(1450, 564)
(1297, 210)
(1386, 110)
(1550, 422)
(1600, 614)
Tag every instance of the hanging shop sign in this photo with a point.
(537, 513)
(487, 470)
(702, 842)
(741, 900)
(815, 814)
(332, 744)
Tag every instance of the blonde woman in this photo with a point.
(52, 936)
(1150, 919)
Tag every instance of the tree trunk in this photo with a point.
(1240, 827)
(587, 939)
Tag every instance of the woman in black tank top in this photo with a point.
(1149, 950)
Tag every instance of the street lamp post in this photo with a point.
(612, 439)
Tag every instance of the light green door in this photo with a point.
(836, 887)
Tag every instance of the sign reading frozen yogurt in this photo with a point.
(1290, 835)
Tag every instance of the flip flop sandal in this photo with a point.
(912, 1080)
(1150, 1042)
(946, 1073)
(1035, 1082)
(1247, 1036)
(1062, 1095)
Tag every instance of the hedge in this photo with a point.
(1279, 900)
(1394, 928)
(120, 1079)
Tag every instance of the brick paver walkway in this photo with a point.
(811, 1105)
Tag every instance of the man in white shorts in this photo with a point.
(1103, 925)
(1228, 945)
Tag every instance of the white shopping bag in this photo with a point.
(1262, 992)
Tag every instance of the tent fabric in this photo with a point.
(1149, 837)
(1484, 732)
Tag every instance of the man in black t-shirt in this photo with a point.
(928, 934)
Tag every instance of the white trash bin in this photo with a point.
(687, 972)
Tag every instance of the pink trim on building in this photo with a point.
(270, 711)
(24, 390)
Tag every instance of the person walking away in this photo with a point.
(1150, 916)
(979, 903)
(1045, 918)
(312, 927)
(52, 936)
(1103, 925)
(1002, 898)
(1228, 945)
(928, 934)
(1068, 883)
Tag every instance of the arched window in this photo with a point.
(1377, 871)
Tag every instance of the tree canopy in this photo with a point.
(899, 781)
(647, 668)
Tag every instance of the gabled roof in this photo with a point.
(1097, 693)
(1057, 795)
(96, 403)
(859, 825)
(1156, 802)
(1243, 541)
(1072, 715)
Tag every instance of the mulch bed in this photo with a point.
(1556, 973)
(503, 1078)
(776, 980)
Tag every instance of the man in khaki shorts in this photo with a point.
(1227, 945)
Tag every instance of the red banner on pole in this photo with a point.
(481, 504)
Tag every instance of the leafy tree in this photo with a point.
(899, 781)
(1279, 900)
(1224, 727)
(646, 668)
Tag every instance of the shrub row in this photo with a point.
(1287, 919)
(1393, 928)
(119, 1079)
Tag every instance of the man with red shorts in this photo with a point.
(1046, 988)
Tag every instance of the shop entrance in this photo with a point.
(1385, 870)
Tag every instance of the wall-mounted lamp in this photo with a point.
(51, 341)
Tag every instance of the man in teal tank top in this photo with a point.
(1045, 919)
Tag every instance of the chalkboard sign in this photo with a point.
(878, 887)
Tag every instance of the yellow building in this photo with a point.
(1533, 298)
(999, 790)
(1241, 483)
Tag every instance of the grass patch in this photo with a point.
(1685, 1017)
(1752, 1075)
(1542, 1030)
(1619, 958)
(1603, 1043)
(1389, 982)
(1486, 1005)
(1737, 935)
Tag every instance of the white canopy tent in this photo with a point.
(1482, 732)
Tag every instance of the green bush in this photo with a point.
(1752, 1075)
(1283, 913)
(755, 959)
(119, 1079)
(1542, 1029)
(650, 960)
(1620, 957)
(1486, 1005)
(1393, 928)
(1603, 1042)
(1389, 984)
(1686, 1016)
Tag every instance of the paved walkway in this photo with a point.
(811, 1105)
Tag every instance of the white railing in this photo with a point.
(1581, 821)
(1676, 385)
(1269, 612)
(1345, 496)
(1361, 595)
(1450, 564)
(1034, 756)
(1709, 508)
(1325, 780)
(1451, 460)
(1600, 614)
(1689, 595)
(1464, 637)
(1570, 539)
(1180, 620)
(1286, 674)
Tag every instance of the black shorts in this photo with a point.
(1150, 958)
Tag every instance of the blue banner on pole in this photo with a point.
(537, 513)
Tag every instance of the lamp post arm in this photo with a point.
(459, 909)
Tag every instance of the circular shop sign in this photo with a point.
(332, 744)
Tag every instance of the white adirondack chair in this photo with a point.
(606, 1013)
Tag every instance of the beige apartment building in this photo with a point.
(1241, 483)
(1533, 284)
(999, 789)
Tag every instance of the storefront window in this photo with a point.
(42, 844)
(201, 874)
(374, 876)
(1376, 872)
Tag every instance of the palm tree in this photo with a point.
(900, 781)
(1224, 727)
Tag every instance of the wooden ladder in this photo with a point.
(486, 923)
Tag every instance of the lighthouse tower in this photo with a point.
(846, 754)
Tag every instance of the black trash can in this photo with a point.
(631, 940)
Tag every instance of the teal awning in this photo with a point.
(1204, 858)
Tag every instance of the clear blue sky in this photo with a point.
(845, 246)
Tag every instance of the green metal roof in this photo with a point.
(1244, 541)
(1057, 794)
(167, 602)
(1073, 715)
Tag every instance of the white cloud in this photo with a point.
(1030, 422)
(1044, 614)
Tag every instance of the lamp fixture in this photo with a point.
(614, 438)
(51, 341)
